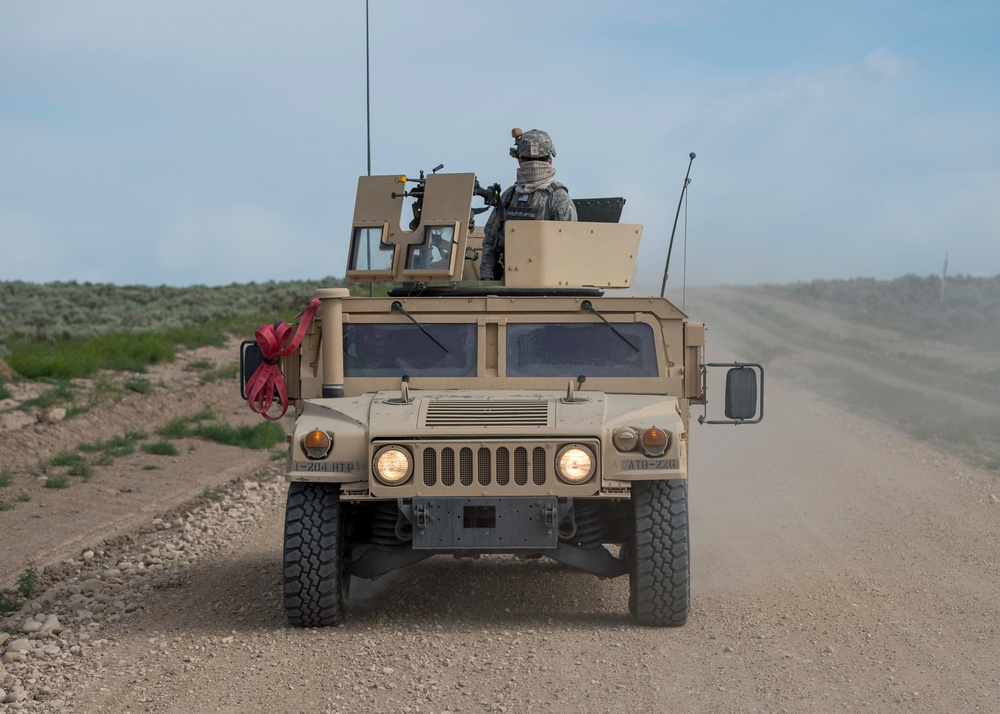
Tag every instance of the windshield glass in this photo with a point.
(391, 350)
(571, 349)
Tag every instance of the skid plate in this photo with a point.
(509, 523)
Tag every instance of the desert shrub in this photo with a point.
(260, 436)
(203, 425)
(139, 385)
(61, 392)
(160, 448)
(71, 330)
(27, 581)
(63, 310)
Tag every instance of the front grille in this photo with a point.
(487, 465)
(487, 413)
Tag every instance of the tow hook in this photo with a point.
(550, 516)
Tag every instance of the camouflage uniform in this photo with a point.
(551, 203)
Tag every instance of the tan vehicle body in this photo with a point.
(517, 413)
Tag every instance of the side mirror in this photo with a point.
(251, 357)
(744, 404)
(741, 393)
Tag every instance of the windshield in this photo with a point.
(392, 350)
(571, 349)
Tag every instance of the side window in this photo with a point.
(549, 349)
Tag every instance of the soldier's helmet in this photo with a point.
(532, 144)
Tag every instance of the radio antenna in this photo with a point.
(670, 248)
(368, 120)
(368, 92)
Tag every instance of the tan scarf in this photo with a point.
(534, 175)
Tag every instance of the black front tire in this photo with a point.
(659, 556)
(314, 580)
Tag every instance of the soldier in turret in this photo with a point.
(536, 196)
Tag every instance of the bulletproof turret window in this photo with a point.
(435, 252)
(368, 252)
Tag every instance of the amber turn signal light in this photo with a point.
(655, 441)
(317, 444)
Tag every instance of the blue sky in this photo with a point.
(214, 142)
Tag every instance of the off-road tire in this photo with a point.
(314, 580)
(659, 557)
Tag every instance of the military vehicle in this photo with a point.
(535, 415)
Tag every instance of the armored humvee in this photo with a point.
(534, 415)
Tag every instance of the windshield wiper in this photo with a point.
(587, 305)
(397, 305)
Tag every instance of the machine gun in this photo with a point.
(490, 196)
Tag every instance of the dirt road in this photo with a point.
(837, 566)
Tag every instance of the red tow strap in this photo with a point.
(267, 378)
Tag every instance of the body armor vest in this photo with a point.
(529, 206)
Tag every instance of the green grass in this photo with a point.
(139, 385)
(259, 436)
(62, 392)
(160, 448)
(116, 446)
(66, 458)
(180, 427)
(4, 392)
(230, 371)
(203, 425)
(213, 494)
(79, 357)
(76, 465)
(84, 471)
(175, 429)
(199, 366)
(23, 498)
(105, 389)
(5, 477)
(150, 467)
(56, 482)
(9, 603)
(4, 506)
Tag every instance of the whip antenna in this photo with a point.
(368, 93)
(670, 248)
(368, 121)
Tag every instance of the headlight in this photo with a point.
(575, 463)
(655, 441)
(393, 465)
(317, 444)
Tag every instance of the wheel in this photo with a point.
(659, 559)
(314, 581)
